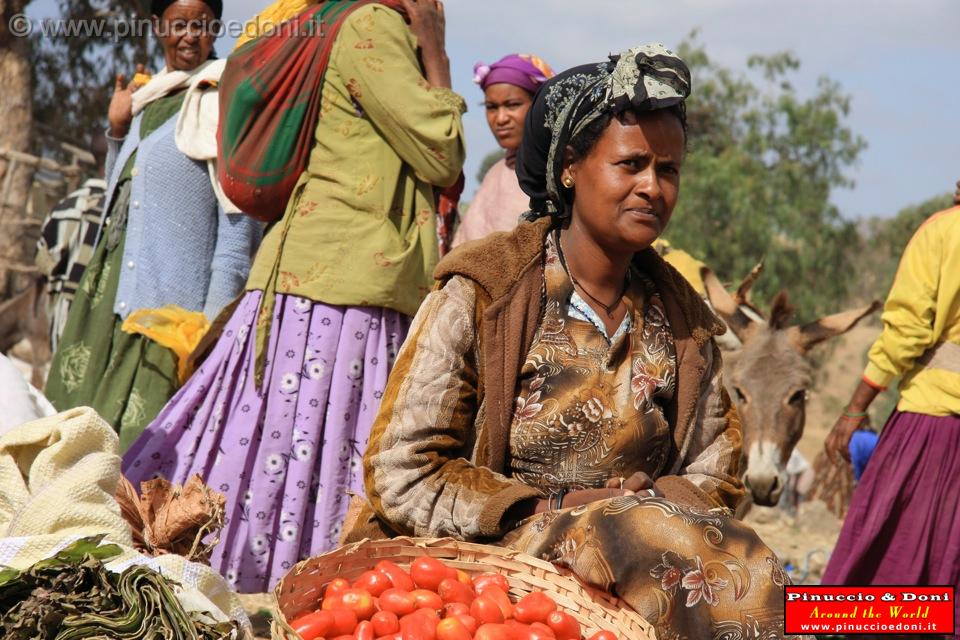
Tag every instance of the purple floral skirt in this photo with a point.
(286, 455)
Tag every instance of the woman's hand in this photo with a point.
(120, 113)
(586, 496)
(837, 444)
(428, 24)
(637, 483)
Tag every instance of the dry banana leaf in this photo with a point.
(167, 518)
(833, 484)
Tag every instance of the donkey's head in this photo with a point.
(769, 378)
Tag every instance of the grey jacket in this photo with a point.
(181, 248)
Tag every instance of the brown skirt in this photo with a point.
(692, 573)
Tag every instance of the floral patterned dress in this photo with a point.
(590, 408)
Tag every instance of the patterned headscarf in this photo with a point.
(157, 7)
(644, 78)
(523, 70)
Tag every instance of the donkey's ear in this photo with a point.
(743, 291)
(724, 304)
(814, 333)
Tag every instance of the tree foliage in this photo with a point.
(488, 161)
(883, 242)
(74, 74)
(761, 165)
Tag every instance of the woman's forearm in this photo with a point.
(862, 397)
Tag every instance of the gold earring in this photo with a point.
(567, 182)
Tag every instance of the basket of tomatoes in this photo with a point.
(444, 589)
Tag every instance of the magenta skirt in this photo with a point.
(287, 455)
(903, 526)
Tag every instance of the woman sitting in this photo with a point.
(559, 392)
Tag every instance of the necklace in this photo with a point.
(609, 308)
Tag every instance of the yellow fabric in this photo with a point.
(360, 228)
(922, 310)
(172, 327)
(688, 266)
(58, 477)
(279, 11)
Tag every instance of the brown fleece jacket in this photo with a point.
(505, 272)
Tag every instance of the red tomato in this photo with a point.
(344, 622)
(428, 613)
(469, 622)
(374, 582)
(427, 573)
(364, 631)
(418, 626)
(451, 590)
(453, 629)
(536, 631)
(427, 599)
(360, 602)
(534, 607)
(564, 625)
(603, 635)
(456, 609)
(399, 578)
(494, 632)
(482, 582)
(539, 626)
(346, 637)
(486, 610)
(500, 596)
(398, 601)
(313, 625)
(337, 585)
(332, 601)
(385, 623)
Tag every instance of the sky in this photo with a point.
(899, 60)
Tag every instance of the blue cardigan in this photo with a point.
(181, 248)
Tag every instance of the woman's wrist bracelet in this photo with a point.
(854, 414)
(556, 500)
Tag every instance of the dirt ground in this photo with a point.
(258, 606)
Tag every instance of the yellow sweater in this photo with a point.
(920, 341)
(688, 266)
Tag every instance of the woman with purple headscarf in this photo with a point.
(508, 87)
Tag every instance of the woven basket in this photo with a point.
(300, 590)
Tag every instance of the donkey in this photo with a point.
(769, 377)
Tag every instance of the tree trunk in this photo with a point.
(16, 117)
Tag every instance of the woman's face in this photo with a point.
(184, 31)
(625, 189)
(507, 106)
